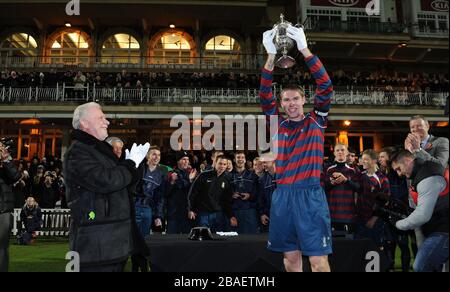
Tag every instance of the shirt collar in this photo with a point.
(424, 142)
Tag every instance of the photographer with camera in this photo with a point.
(9, 175)
(398, 201)
(429, 181)
(49, 191)
(246, 192)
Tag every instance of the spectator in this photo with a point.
(342, 182)
(374, 186)
(79, 85)
(21, 188)
(13, 80)
(33, 169)
(49, 193)
(425, 146)
(398, 190)
(352, 159)
(245, 196)
(180, 181)
(36, 188)
(31, 217)
(149, 200)
(117, 145)
(150, 192)
(229, 166)
(430, 182)
(210, 198)
(214, 155)
(258, 167)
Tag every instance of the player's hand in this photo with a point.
(297, 34)
(268, 41)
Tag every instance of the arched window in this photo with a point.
(171, 48)
(121, 48)
(69, 47)
(18, 48)
(223, 51)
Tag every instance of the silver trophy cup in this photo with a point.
(284, 44)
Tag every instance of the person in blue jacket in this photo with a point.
(245, 196)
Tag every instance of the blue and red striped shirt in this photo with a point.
(300, 143)
(372, 187)
(341, 197)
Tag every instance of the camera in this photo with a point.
(50, 175)
(9, 144)
(391, 210)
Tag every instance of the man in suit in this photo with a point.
(425, 146)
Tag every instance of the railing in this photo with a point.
(68, 94)
(55, 222)
(232, 62)
(355, 27)
(428, 32)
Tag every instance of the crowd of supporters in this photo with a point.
(232, 191)
(384, 80)
(252, 182)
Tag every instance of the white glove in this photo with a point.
(298, 35)
(268, 43)
(137, 153)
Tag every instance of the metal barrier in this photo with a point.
(55, 222)
(233, 61)
(207, 96)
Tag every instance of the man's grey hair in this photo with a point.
(419, 117)
(80, 113)
(111, 140)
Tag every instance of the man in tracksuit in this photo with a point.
(150, 192)
(245, 196)
(210, 198)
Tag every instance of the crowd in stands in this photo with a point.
(388, 81)
(42, 180)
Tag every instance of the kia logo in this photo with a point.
(344, 3)
(439, 5)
